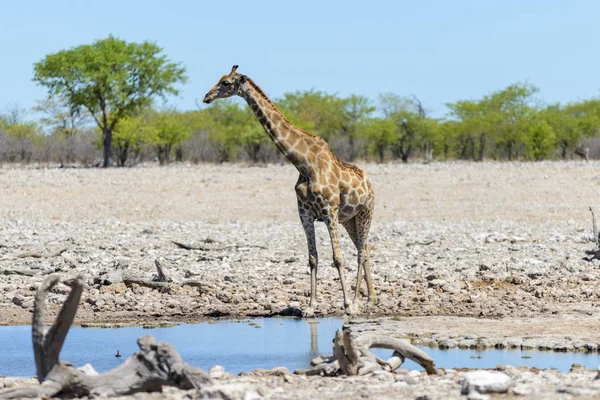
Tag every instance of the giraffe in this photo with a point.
(328, 189)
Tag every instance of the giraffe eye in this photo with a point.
(225, 83)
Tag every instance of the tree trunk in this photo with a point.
(122, 153)
(563, 150)
(107, 143)
(179, 154)
(381, 153)
(481, 147)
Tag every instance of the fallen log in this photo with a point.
(154, 365)
(353, 356)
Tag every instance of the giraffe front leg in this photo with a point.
(338, 262)
(313, 261)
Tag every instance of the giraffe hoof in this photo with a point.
(353, 308)
(309, 312)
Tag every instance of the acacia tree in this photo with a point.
(111, 79)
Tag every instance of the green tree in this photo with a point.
(252, 136)
(111, 79)
(130, 135)
(445, 134)
(225, 123)
(170, 130)
(357, 113)
(320, 113)
(413, 128)
(567, 133)
(510, 111)
(381, 135)
(541, 140)
(501, 118)
(472, 130)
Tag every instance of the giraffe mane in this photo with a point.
(259, 91)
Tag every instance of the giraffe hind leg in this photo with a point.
(332, 225)
(350, 226)
(363, 225)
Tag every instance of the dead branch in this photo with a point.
(353, 356)
(595, 230)
(161, 277)
(421, 243)
(207, 248)
(22, 272)
(163, 287)
(33, 254)
(147, 370)
(192, 247)
(595, 253)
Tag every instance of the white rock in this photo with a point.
(216, 372)
(485, 382)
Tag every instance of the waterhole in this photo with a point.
(242, 345)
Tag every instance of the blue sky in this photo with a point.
(438, 50)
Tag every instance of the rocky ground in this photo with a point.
(503, 382)
(490, 241)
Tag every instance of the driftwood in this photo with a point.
(147, 370)
(161, 281)
(353, 356)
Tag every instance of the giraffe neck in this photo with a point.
(287, 138)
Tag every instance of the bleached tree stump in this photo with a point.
(155, 365)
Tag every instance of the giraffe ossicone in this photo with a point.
(328, 189)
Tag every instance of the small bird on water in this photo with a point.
(118, 355)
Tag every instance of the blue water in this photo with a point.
(240, 346)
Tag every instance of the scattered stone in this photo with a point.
(485, 382)
(18, 300)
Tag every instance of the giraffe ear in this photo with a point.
(243, 79)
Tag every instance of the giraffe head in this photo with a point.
(228, 86)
